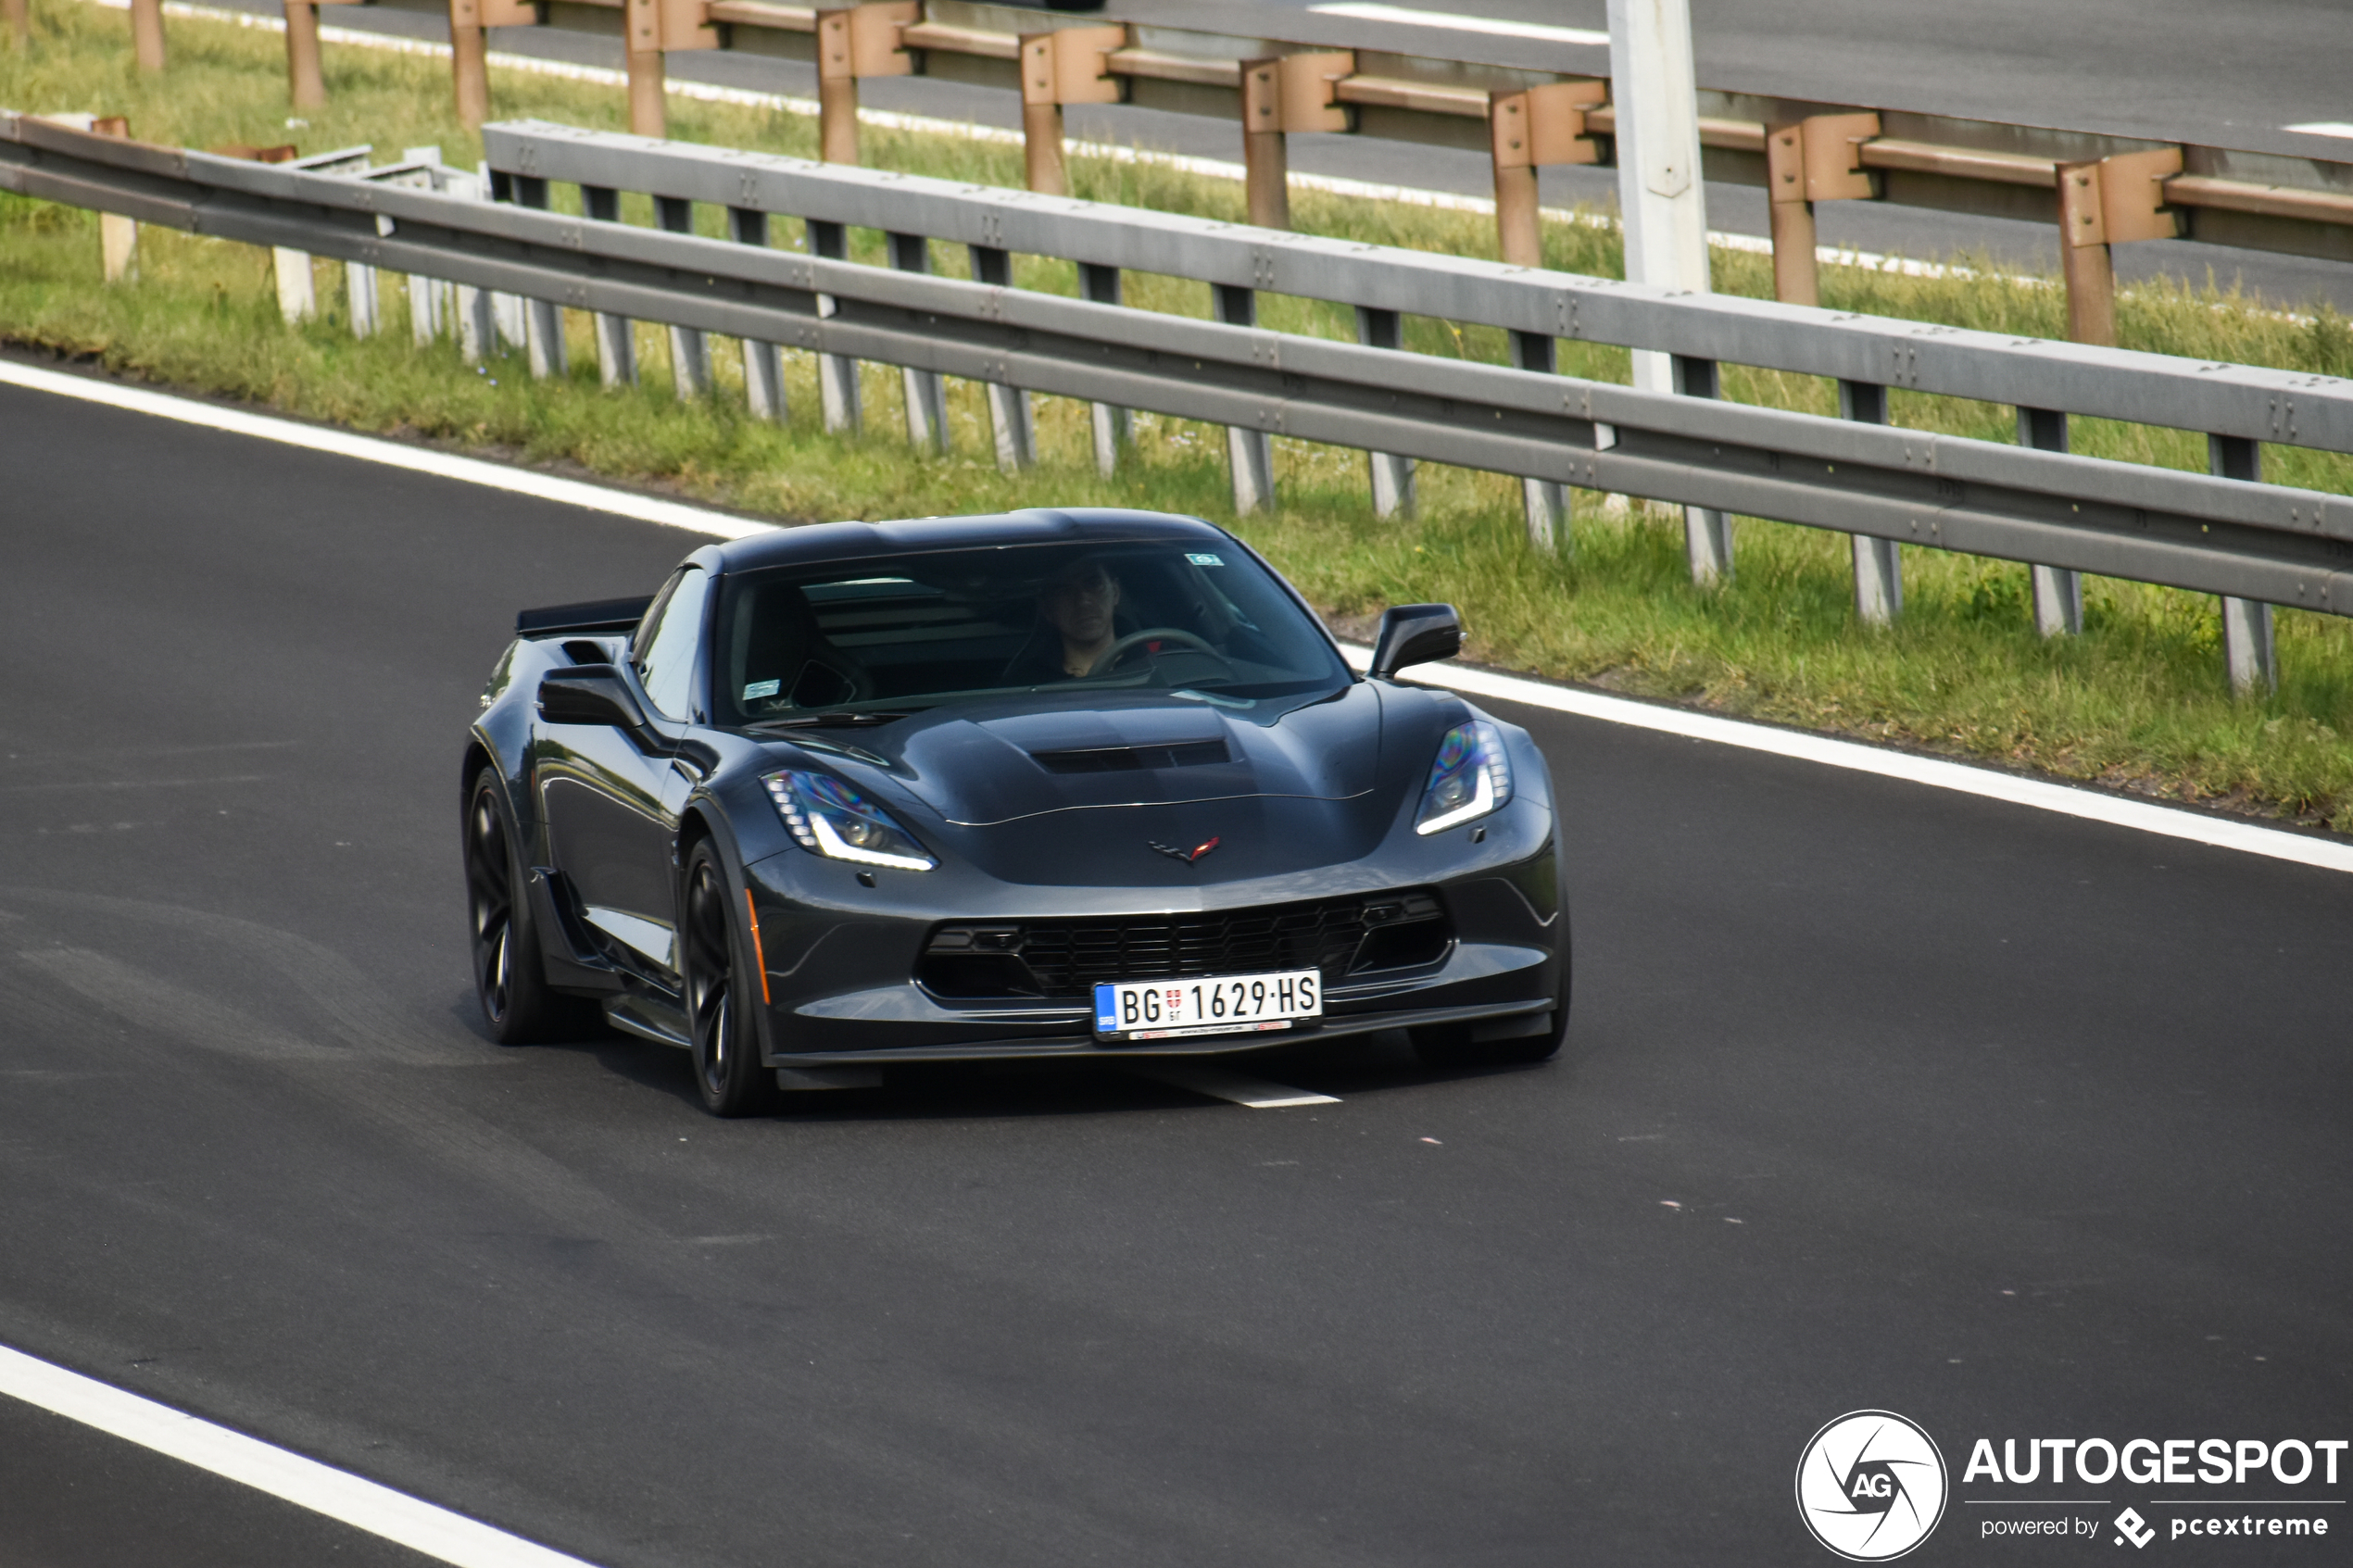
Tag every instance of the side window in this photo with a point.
(666, 645)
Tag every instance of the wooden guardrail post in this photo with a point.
(15, 19)
(860, 41)
(652, 30)
(1818, 158)
(306, 82)
(146, 34)
(470, 21)
(1529, 130)
(1280, 95)
(2110, 202)
(2249, 656)
(1879, 563)
(1012, 425)
(1065, 66)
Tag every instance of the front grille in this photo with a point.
(1066, 959)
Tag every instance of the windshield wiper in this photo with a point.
(853, 719)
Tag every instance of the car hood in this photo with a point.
(983, 769)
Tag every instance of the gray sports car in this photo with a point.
(1054, 784)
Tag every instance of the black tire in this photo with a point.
(509, 980)
(1449, 1044)
(720, 994)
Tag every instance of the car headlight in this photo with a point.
(1471, 778)
(827, 817)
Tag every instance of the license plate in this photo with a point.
(1232, 1004)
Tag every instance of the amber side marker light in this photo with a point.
(759, 955)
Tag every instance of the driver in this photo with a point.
(1078, 610)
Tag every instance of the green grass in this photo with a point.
(2137, 701)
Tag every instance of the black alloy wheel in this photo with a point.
(719, 995)
(510, 980)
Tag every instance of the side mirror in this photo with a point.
(589, 694)
(1415, 635)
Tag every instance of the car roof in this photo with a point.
(820, 542)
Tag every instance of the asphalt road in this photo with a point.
(1882, 1097)
(2231, 76)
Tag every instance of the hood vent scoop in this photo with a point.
(1133, 759)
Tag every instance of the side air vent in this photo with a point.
(1133, 759)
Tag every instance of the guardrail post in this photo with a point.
(1011, 424)
(146, 34)
(838, 397)
(1250, 453)
(2111, 202)
(1393, 477)
(926, 392)
(690, 347)
(616, 335)
(1815, 159)
(362, 299)
(1879, 563)
(476, 311)
(1266, 158)
(305, 85)
(1660, 195)
(16, 17)
(1527, 130)
(2248, 653)
(543, 319)
(1707, 533)
(2059, 592)
(763, 365)
(1114, 425)
(1065, 66)
(118, 235)
(469, 63)
(297, 288)
(836, 90)
(1544, 500)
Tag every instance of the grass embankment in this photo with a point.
(2137, 701)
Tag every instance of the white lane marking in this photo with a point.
(1220, 1082)
(435, 1532)
(2321, 128)
(2041, 794)
(392, 454)
(1489, 25)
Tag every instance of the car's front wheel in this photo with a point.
(509, 980)
(720, 995)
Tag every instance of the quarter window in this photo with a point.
(666, 645)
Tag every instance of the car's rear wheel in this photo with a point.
(1452, 1044)
(720, 995)
(509, 980)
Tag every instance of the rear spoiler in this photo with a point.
(595, 615)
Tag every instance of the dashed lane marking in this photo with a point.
(1220, 1082)
(339, 1495)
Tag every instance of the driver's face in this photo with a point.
(1080, 604)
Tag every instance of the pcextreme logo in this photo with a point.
(1870, 1485)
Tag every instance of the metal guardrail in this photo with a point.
(2255, 544)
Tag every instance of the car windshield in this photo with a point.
(1200, 620)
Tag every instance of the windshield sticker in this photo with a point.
(761, 688)
(1205, 561)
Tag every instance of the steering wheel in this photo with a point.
(1134, 640)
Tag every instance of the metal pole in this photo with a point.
(1879, 563)
(2058, 591)
(2248, 653)
(926, 393)
(616, 335)
(1266, 158)
(1707, 533)
(1393, 477)
(146, 34)
(1663, 202)
(306, 83)
(1250, 453)
(1011, 424)
(690, 347)
(543, 319)
(838, 395)
(1544, 500)
(763, 365)
(1114, 425)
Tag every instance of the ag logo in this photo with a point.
(1870, 1485)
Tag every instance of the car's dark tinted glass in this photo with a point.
(1202, 617)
